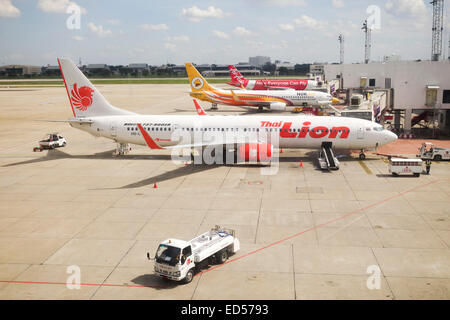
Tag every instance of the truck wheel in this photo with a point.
(222, 257)
(437, 157)
(189, 276)
(416, 174)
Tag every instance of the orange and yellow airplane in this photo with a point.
(273, 100)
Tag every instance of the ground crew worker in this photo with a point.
(428, 166)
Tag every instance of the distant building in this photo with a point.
(258, 61)
(285, 64)
(99, 69)
(392, 58)
(51, 71)
(138, 67)
(20, 70)
(316, 69)
(221, 70)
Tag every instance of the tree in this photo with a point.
(269, 67)
(301, 68)
(283, 71)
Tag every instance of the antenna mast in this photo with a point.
(438, 27)
(341, 44)
(368, 44)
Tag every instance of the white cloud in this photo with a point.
(196, 14)
(113, 21)
(338, 3)
(78, 38)
(307, 22)
(413, 13)
(255, 44)
(221, 34)
(57, 6)
(286, 3)
(286, 27)
(7, 9)
(242, 32)
(411, 8)
(178, 39)
(170, 46)
(99, 30)
(154, 27)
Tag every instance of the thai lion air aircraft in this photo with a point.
(238, 80)
(251, 136)
(273, 100)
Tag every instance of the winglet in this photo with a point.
(199, 109)
(150, 142)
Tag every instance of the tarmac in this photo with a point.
(305, 233)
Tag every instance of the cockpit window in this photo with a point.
(378, 128)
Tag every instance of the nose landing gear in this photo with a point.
(362, 155)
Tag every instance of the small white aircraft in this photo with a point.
(249, 134)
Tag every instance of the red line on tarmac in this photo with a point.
(86, 284)
(250, 253)
(321, 225)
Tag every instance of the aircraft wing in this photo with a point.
(217, 140)
(74, 120)
(250, 102)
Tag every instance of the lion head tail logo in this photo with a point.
(82, 98)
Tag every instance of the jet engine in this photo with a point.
(278, 106)
(255, 152)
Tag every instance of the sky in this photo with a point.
(157, 32)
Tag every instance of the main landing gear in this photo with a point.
(362, 155)
(122, 148)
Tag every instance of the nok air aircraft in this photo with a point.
(272, 100)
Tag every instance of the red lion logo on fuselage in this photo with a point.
(82, 98)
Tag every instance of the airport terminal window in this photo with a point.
(371, 82)
(446, 96)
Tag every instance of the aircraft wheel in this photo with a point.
(362, 156)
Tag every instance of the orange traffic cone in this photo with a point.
(281, 150)
(155, 186)
(301, 163)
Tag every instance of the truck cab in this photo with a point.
(173, 259)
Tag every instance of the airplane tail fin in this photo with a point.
(237, 79)
(196, 80)
(84, 98)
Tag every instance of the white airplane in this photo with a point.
(276, 100)
(249, 134)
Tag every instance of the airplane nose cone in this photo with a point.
(391, 136)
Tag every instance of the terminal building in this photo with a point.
(418, 91)
(221, 70)
(19, 70)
